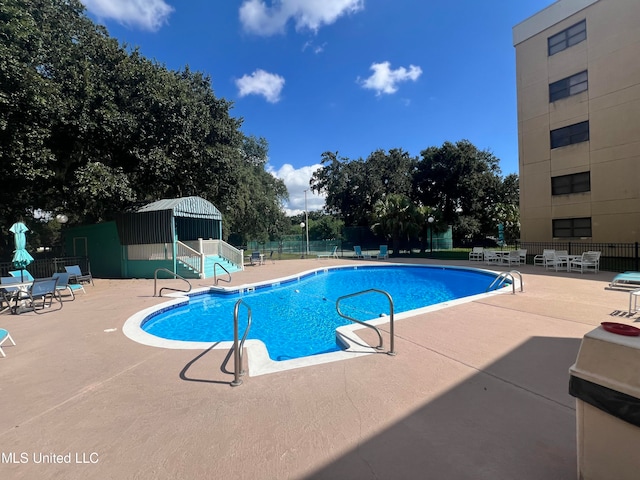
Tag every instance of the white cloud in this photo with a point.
(385, 80)
(297, 181)
(261, 83)
(145, 14)
(256, 17)
(314, 48)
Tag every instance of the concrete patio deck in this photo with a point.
(476, 391)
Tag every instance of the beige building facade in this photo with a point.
(578, 84)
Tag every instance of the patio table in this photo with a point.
(23, 286)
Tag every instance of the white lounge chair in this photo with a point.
(476, 254)
(333, 253)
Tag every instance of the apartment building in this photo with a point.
(578, 84)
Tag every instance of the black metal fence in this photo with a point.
(614, 257)
(45, 267)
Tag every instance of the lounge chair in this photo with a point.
(540, 258)
(4, 336)
(383, 253)
(256, 258)
(333, 253)
(358, 252)
(39, 295)
(476, 254)
(588, 261)
(23, 275)
(626, 280)
(63, 284)
(78, 276)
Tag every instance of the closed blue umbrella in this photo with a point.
(21, 257)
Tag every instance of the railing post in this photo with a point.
(237, 358)
(636, 256)
(238, 344)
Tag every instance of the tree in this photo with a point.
(459, 180)
(91, 128)
(396, 218)
(352, 187)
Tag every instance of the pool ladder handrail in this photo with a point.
(215, 275)
(503, 277)
(238, 346)
(155, 282)
(368, 325)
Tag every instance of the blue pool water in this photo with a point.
(298, 318)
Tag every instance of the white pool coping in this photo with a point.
(256, 352)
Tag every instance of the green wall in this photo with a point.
(100, 242)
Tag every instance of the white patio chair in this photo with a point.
(491, 256)
(512, 258)
(590, 261)
(556, 260)
(523, 255)
(540, 258)
(476, 254)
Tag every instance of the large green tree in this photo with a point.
(461, 183)
(90, 128)
(352, 187)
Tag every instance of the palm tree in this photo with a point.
(396, 217)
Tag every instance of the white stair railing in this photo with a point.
(191, 258)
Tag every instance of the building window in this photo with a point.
(569, 135)
(575, 183)
(572, 227)
(568, 86)
(567, 38)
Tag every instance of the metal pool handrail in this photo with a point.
(368, 325)
(238, 346)
(502, 278)
(155, 282)
(215, 275)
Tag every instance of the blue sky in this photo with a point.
(351, 76)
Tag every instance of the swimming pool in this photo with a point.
(296, 317)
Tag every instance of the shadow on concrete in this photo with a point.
(513, 419)
(192, 363)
